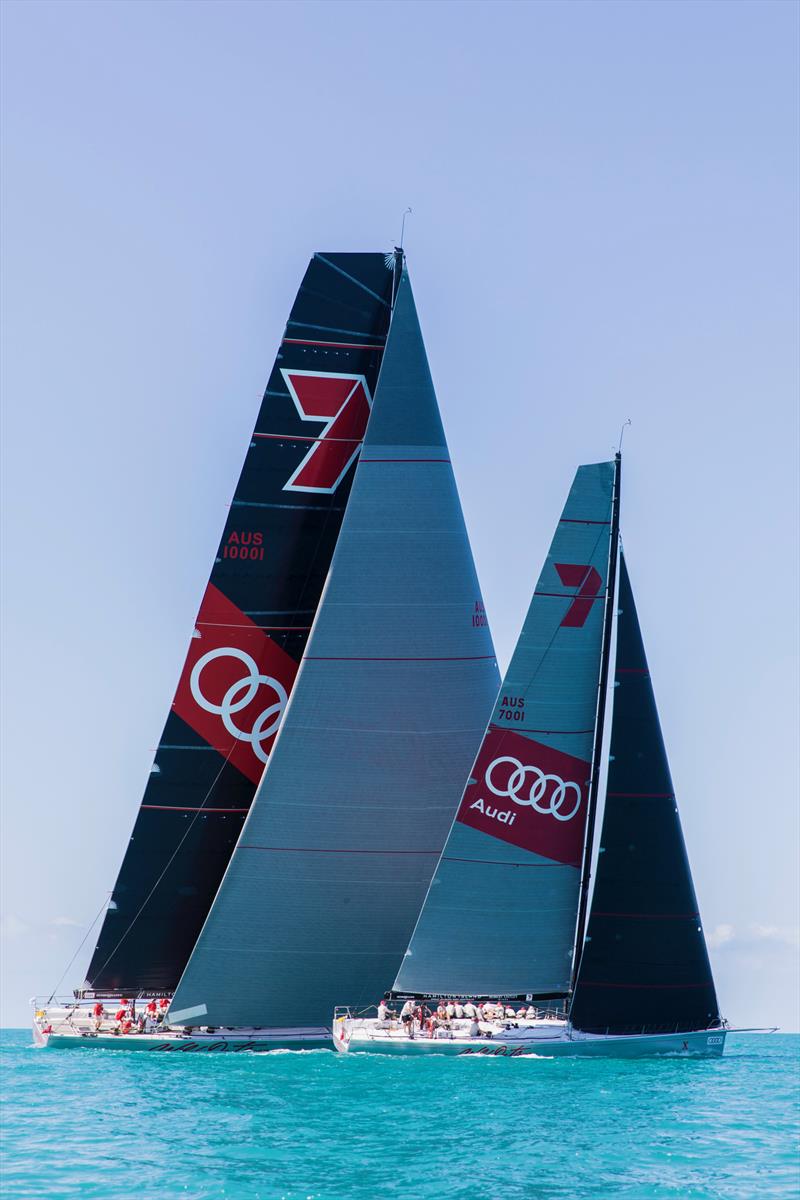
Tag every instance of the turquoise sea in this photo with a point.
(117, 1126)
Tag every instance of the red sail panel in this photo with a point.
(529, 795)
(234, 685)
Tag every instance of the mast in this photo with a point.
(608, 622)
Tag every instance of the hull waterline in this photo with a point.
(65, 1036)
(205, 1043)
(348, 1038)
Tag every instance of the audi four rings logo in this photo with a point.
(534, 794)
(239, 695)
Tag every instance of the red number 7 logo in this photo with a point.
(343, 402)
(588, 582)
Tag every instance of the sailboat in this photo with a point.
(333, 698)
(505, 915)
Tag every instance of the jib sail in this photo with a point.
(500, 915)
(391, 701)
(644, 966)
(253, 622)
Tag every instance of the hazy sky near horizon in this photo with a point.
(604, 226)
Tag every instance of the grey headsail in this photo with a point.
(386, 716)
(644, 966)
(500, 915)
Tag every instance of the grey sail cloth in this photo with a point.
(387, 713)
(500, 915)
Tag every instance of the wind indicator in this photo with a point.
(407, 213)
(622, 434)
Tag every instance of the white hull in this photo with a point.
(352, 1035)
(218, 1043)
(70, 1027)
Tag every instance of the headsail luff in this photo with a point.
(253, 622)
(500, 915)
(391, 701)
(644, 966)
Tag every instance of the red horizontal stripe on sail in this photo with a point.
(359, 658)
(225, 625)
(571, 596)
(298, 437)
(414, 460)
(650, 916)
(645, 987)
(580, 521)
(335, 345)
(642, 795)
(494, 862)
(505, 729)
(192, 808)
(316, 850)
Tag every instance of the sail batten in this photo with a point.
(271, 563)
(391, 701)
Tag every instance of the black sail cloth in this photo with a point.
(644, 966)
(253, 623)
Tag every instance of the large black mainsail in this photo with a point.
(253, 622)
(392, 698)
(644, 966)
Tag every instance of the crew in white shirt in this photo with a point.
(407, 1017)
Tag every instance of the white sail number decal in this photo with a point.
(538, 793)
(239, 695)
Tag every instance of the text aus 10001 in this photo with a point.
(246, 544)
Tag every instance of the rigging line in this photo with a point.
(169, 863)
(352, 279)
(77, 952)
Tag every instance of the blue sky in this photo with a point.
(604, 226)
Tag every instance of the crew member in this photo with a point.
(407, 1017)
(97, 1012)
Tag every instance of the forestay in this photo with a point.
(253, 622)
(644, 966)
(500, 915)
(390, 704)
